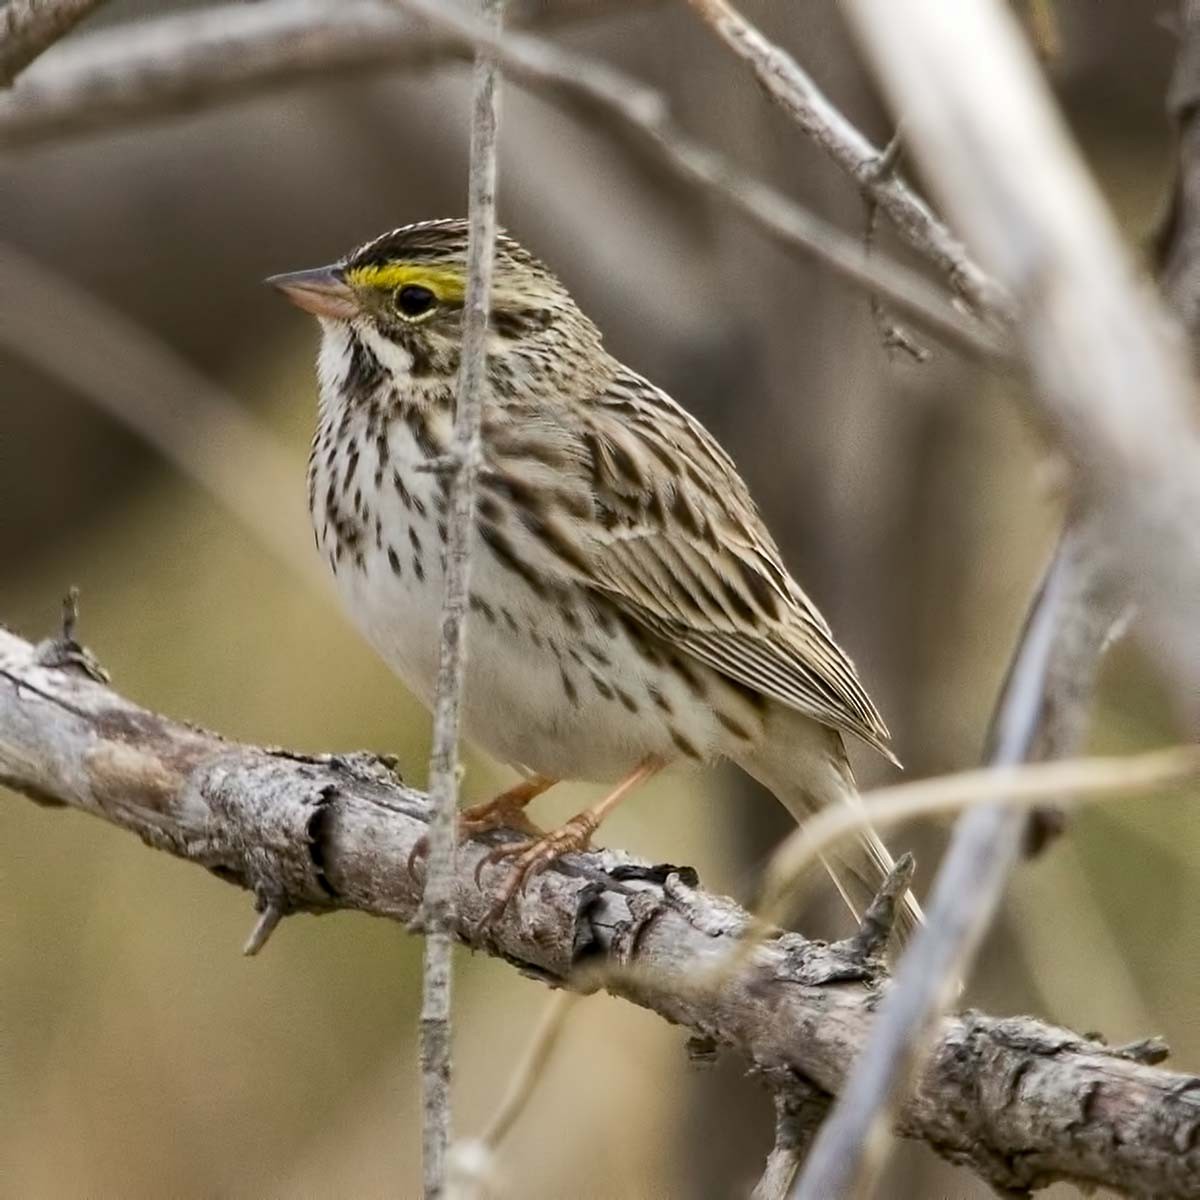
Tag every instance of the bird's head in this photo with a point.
(402, 297)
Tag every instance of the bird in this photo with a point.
(629, 609)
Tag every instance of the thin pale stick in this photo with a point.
(529, 1071)
(438, 907)
(966, 894)
(472, 1162)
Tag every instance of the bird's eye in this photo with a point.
(413, 301)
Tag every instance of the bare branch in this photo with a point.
(138, 380)
(30, 27)
(530, 1069)
(146, 70)
(326, 833)
(798, 1114)
(631, 107)
(467, 455)
(787, 83)
(198, 59)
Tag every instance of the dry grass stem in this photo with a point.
(1084, 780)
(529, 1071)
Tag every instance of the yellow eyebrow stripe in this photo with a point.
(445, 285)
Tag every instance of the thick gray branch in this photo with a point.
(1019, 1102)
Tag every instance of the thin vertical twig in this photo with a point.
(438, 903)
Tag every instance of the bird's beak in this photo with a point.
(322, 292)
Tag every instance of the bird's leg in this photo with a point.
(505, 811)
(534, 855)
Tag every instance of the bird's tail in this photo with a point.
(807, 769)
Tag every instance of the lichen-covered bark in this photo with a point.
(1019, 1102)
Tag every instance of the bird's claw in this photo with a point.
(482, 818)
(417, 854)
(533, 855)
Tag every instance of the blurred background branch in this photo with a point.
(28, 27)
(1178, 239)
(1051, 240)
(141, 382)
(200, 59)
(1053, 244)
(634, 108)
(320, 833)
(786, 82)
(166, 65)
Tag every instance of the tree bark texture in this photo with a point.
(1019, 1102)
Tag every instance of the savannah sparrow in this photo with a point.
(630, 608)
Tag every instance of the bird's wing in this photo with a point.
(679, 546)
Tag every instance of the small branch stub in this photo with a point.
(879, 921)
(266, 925)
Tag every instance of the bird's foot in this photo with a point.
(534, 854)
(501, 813)
(506, 811)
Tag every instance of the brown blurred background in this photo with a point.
(140, 1054)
